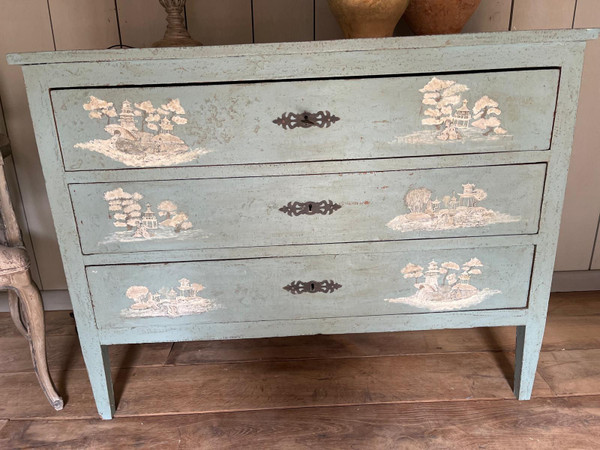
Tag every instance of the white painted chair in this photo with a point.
(24, 298)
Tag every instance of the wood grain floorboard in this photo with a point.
(64, 353)
(58, 323)
(261, 385)
(563, 332)
(575, 304)
(568, 332)
(574, 372)
(558, 423)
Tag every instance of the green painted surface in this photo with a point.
(233, 124)
(373, 86)
(190, 214)
(253, 290)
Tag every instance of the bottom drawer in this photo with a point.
(358, 284)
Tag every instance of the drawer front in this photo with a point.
(310, 287)
(310, 209)
(117, 128)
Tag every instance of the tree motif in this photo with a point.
(485, 115)
(167, 208)
(98, 108)
(441, 96)
(147, 110)
(125, 207)
(137, 293)
(197, 288)
(470, 268)
(417, 199)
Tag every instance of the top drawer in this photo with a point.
(315, 120)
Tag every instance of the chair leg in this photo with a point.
(15, 312)
(31, 303)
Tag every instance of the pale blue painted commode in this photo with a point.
(321, 187)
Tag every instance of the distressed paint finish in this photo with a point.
(234, 123)
(255, 289)
(228, 212)
(355, 266)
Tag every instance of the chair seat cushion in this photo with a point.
(13, 259)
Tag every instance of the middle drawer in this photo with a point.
(309, 209)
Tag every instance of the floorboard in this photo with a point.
(501, 424)
(573, 372)
(563, 332)
(260, 385)
(64, 353)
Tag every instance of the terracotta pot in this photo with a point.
(368, 18)
(439, 16)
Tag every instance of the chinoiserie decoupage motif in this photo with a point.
(455, 210)
(448, 117)
(136, 220)
(444, 287)
(141, 135)
(177, 301)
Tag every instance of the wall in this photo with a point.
(35, 25)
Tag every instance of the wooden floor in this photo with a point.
(435, 389)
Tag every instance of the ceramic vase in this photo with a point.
(368, 18)
(439, 16)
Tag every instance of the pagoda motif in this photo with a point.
(182, 300)
(149, 219)
(447, 117)
(462, 116)
(452, 211)
(143, 135)
(134, 223)
(445, 286)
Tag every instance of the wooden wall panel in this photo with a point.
(326, 26)
(15, 195)
(582, 200)
(543, 14)
(492, 15)
(283, 20)
(25, 26)
(220, 23)
(596, 257)
(142, 22)
(84, 24)
(586, 167)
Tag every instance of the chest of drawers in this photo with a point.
(326, 187)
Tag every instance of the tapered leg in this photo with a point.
(31, 304)
(529, 343)
(15, 312)
(98, 367)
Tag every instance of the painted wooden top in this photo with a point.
(412, 42)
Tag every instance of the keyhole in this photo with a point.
(305, 117)
(310, 207)
(312, 287)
